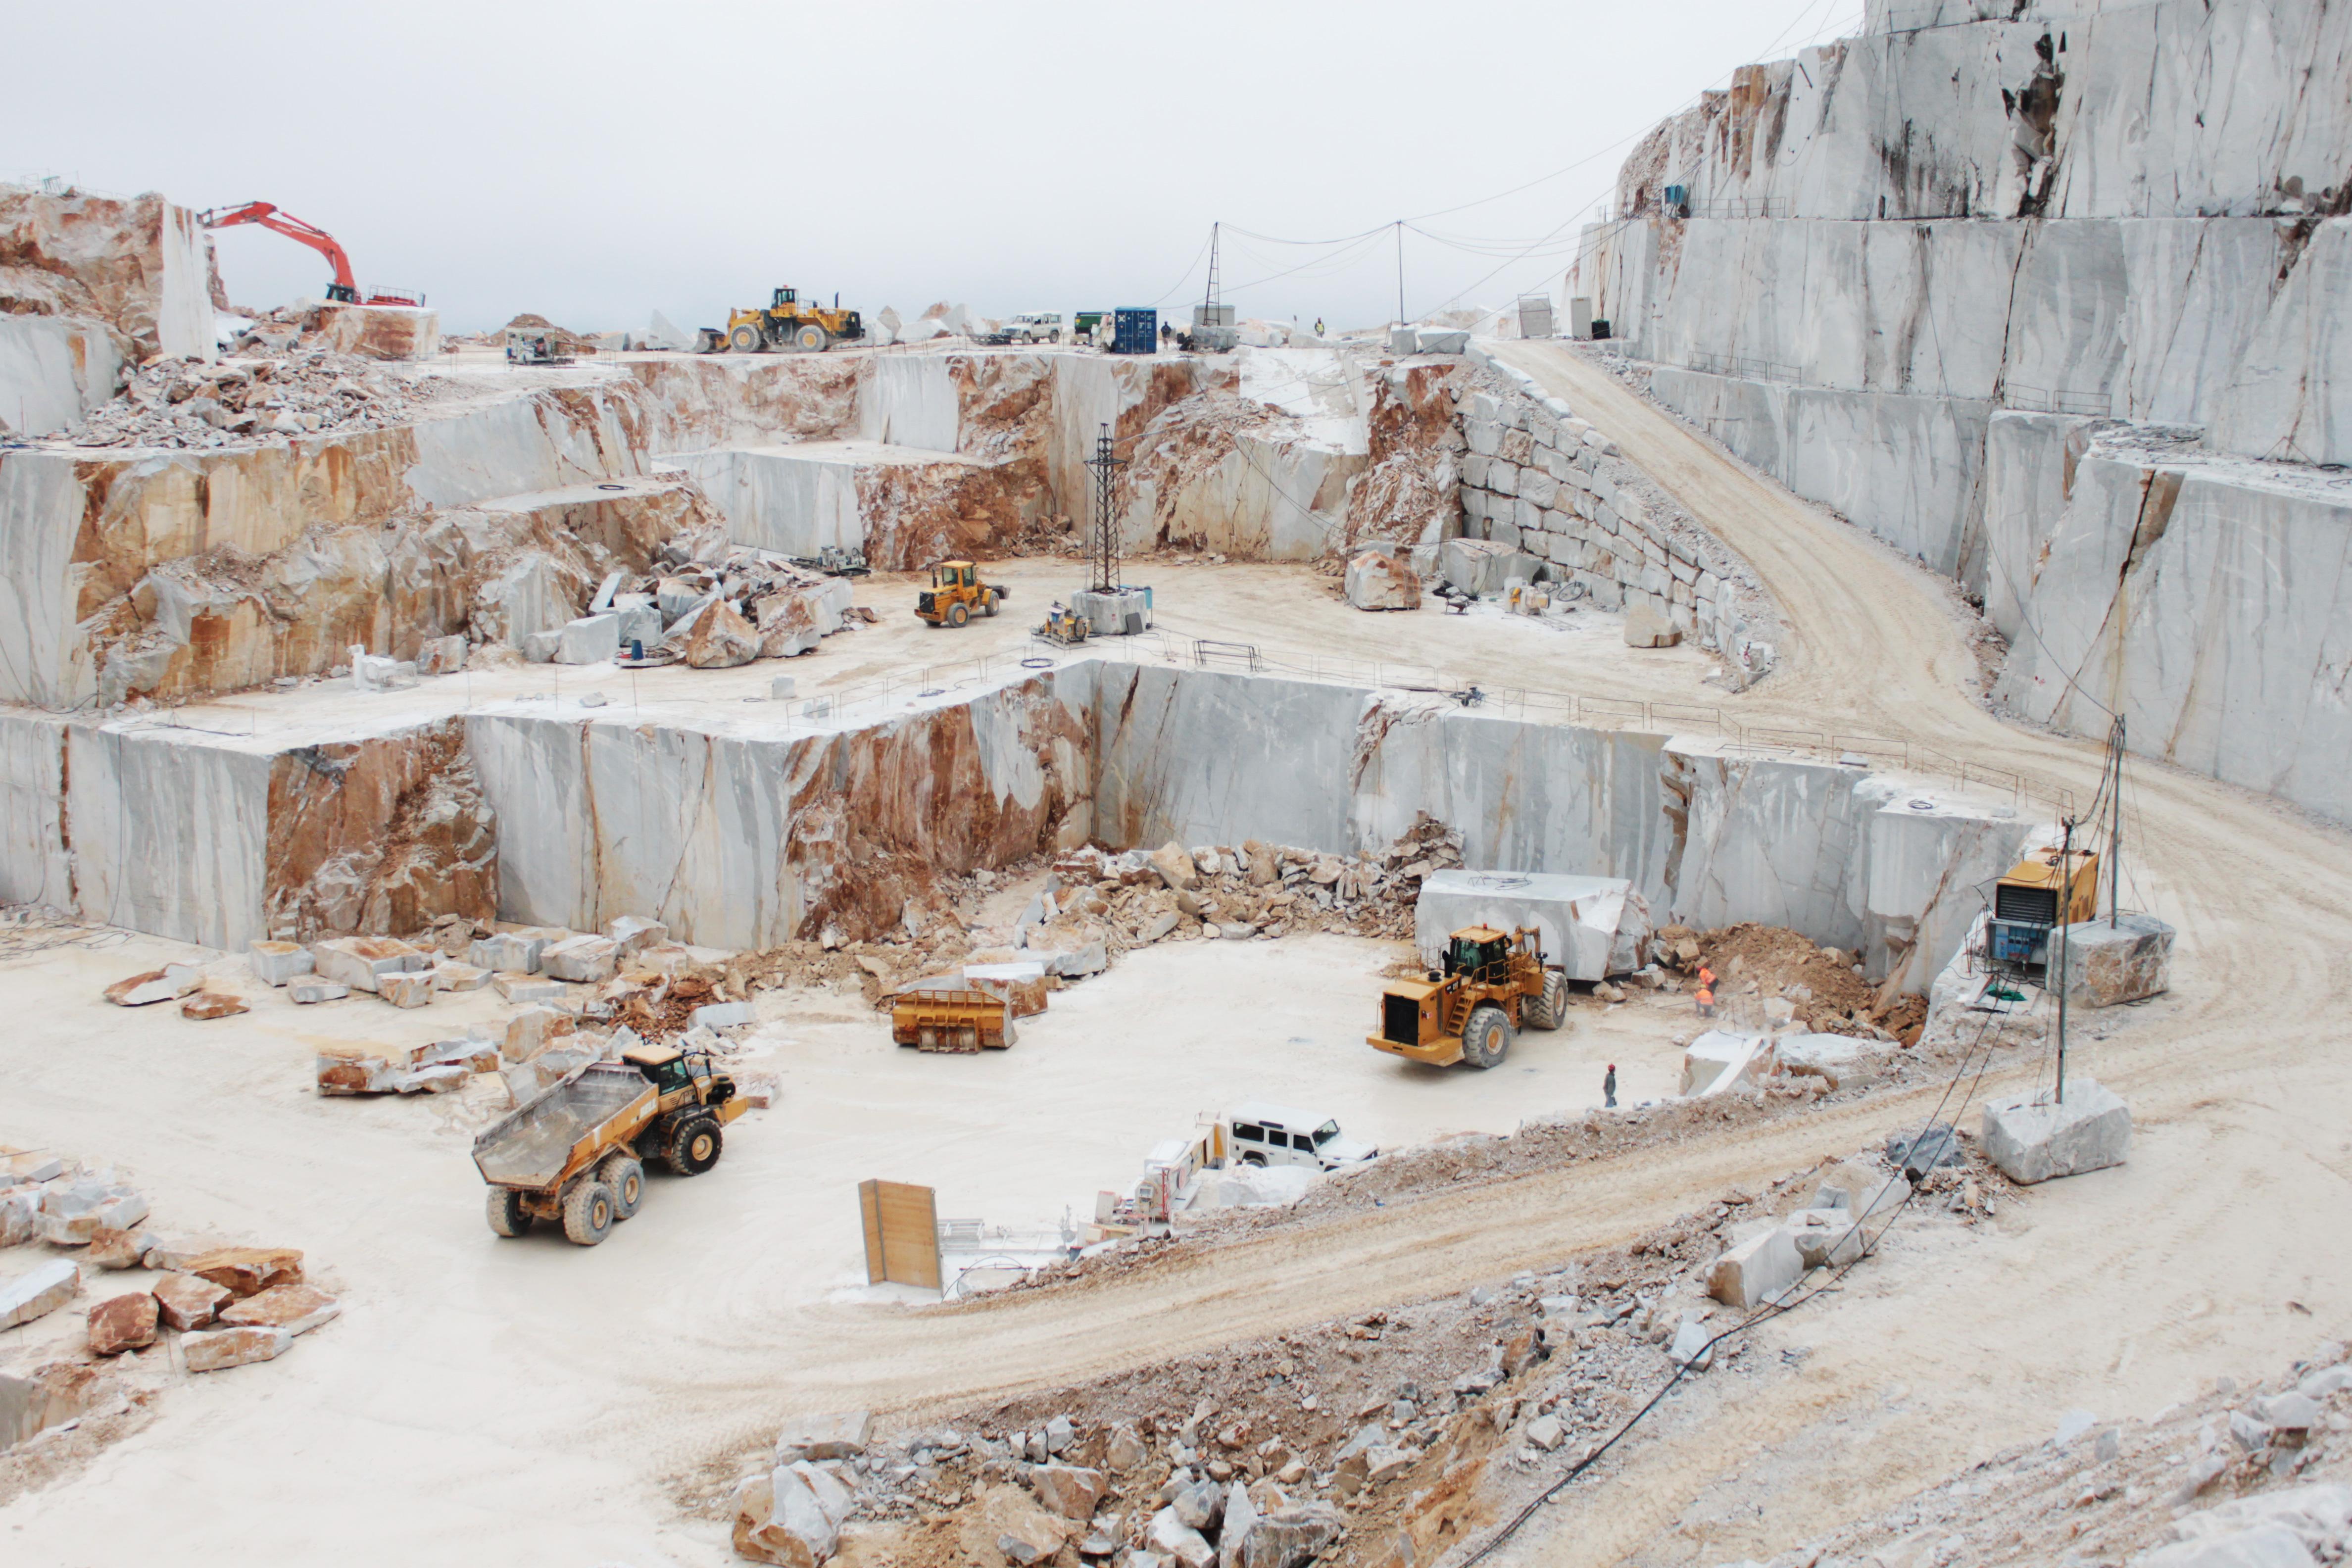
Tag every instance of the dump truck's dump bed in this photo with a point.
(530, 1147)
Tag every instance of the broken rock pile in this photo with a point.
(260, 395)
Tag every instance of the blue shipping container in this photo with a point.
(1135, 333)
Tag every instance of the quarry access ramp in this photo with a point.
(2227, 1088)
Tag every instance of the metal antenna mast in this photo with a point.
(1209, 299)
(1102, 542)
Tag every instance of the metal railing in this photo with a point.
(2043, 400)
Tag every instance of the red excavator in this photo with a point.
(342, 289)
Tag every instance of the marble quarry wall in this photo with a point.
(191, 571)
(745, 840)
(1891, 255)
(747, 834)
(86, 284)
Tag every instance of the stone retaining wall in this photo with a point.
(1541, 480)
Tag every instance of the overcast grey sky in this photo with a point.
(595, 161)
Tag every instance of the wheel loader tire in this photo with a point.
(747, 338)
(588, 1214)
(811, 339)
(625, 1174)
(695, 1146)
(1486, 1038)
(1547, 1009)
(507, 1216)
(988, 604)
(958, 613)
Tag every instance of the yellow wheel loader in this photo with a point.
(1492, 983)
(956, 594)
(788, 324)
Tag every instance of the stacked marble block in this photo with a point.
(1540, 481)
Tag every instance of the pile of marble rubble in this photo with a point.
(187, 403)
(228, 1306)
(711, 608)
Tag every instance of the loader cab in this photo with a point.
(954, 574)
(784, 297)
(665, 1067)
(1479, 953)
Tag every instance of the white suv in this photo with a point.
(1267, 1134)
(1035, 327)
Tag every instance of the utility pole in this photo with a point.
(1102, 546)
(2065, 893)
(2115, 826)
(1399, 237)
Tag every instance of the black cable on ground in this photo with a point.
(1763, 1315)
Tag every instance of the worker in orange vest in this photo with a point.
(1706, 992)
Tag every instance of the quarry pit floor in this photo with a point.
(506, 1399)
(465, 1367)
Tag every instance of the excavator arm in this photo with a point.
(344, 287)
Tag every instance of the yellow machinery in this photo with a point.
(951, 1018)
(1471, 1010)
(576, 1155)
(956, 592)
(1065, 626)
(787, 323)
(2025, 903)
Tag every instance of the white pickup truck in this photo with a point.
(1035, 327)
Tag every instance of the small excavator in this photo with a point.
(343, 289)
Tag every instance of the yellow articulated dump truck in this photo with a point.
(576, 1155)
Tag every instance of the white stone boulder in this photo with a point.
(276, 962)
(635, 933)
(1591, 926)
(1644, 627)
(1441, 340)
(1830, 1237)
(792, 1516)
(2033, 1137)
(1860, 1188)
(168, 983)
(509, 951)
(2122, 960)
(589, 639)
(1756, 1269)
(1254, 1186)
(839, 1435)
(1383, 580)
(38, 1292)
(408, 987)
(1719, 1062)
(581, 959)
(357, 961)
(2290, 1526)
(1840, 1061)
(306, 989)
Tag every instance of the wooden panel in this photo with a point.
(902, 1233)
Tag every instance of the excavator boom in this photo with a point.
(344, 287)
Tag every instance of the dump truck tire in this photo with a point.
(625, 1174)
(695, 1146)
(958, 613)
(1547, 1009)
(588, 1214)
(507, 1216)
(1486, 1038)
(811, 339)
(747, 338)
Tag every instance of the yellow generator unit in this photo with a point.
(2026, 903)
